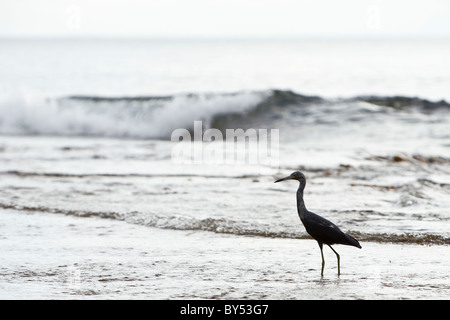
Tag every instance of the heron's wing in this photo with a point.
(324, 230)
(321, 222)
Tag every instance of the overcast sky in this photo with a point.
(217, 18)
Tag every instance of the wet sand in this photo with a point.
(48, 256)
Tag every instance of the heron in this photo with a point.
(321, 229)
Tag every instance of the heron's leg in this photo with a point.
(323, 260)
(338, 259)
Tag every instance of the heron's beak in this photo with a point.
(285, 178)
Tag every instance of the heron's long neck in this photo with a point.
(301, 208)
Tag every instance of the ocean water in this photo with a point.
(94, 205)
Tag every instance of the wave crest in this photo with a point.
(156, 117)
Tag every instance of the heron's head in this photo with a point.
(297, 175)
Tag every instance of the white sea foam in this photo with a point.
(139, 118)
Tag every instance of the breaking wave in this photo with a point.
(155, 117)
(228, 226)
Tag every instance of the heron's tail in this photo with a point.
(352, 241)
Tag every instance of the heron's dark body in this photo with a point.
(321, 229)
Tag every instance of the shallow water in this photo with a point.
(73, 227)
(49, 256)
(135, 181)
